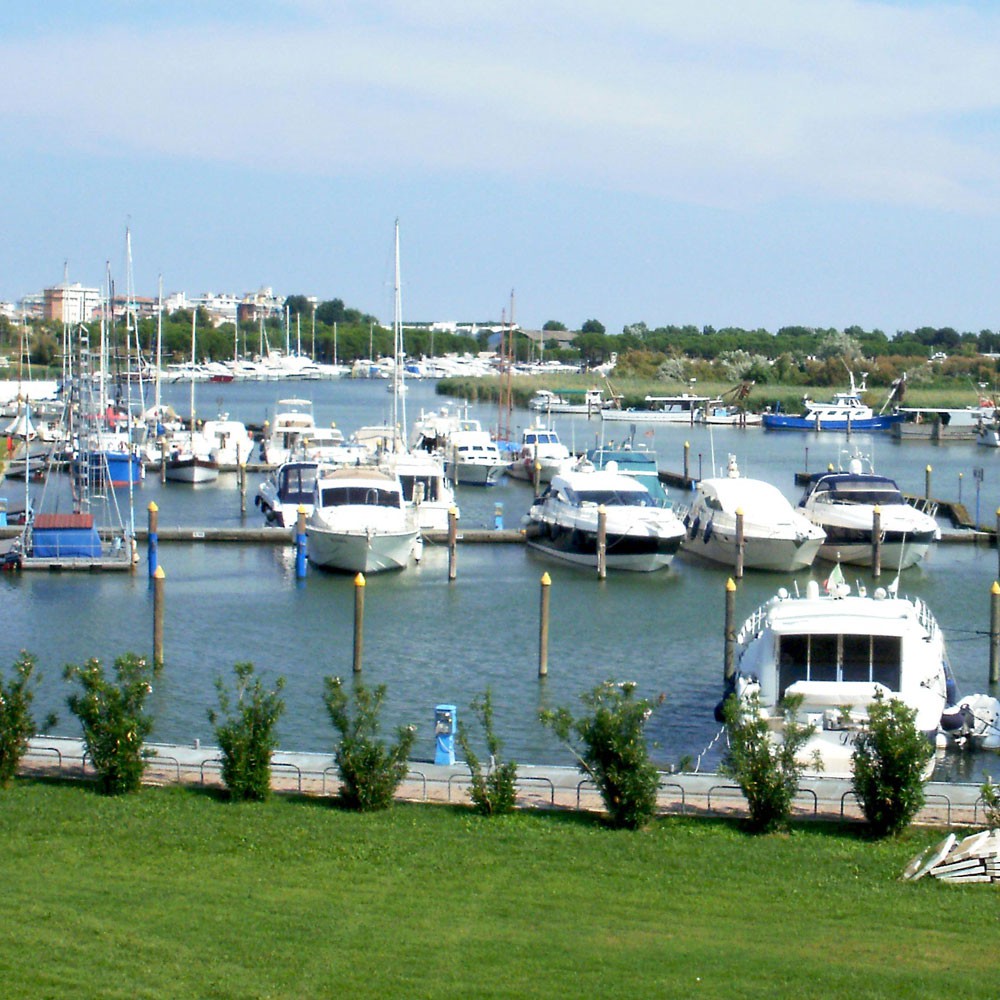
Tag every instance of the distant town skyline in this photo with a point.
(752, 165)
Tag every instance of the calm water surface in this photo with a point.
(432, 641)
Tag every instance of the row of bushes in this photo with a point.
(607, 739)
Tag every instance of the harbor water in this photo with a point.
(432, 641)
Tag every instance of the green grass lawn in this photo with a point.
(174, 893)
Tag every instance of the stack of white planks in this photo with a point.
(974, 859)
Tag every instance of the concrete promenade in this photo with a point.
(539, 786)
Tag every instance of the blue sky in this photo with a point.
(729, 163)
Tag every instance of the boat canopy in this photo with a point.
(864, 489)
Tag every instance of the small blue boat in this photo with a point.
(845, 412)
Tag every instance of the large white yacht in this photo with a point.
(775, 536)
(564, 521)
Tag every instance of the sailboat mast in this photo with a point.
(194, 327)
(398, 396)
(159, 346)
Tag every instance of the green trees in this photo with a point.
(112, 713)
(609, 743)
(494, 790)
(767, 771)
(370, 769)
(17, 725)
(244, 726)
(890, 760)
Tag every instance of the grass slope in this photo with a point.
(173, 893)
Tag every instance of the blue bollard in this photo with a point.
(300, 545)
(153, 543)
(498, 516)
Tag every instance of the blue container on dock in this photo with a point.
(445, 723)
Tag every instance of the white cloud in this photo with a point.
(724, 102)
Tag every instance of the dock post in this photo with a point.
(927, 482)
(153, 542)
(536, 477)
(960, 475)
(543, 626)
(807, 459)
(602, 542)
(300, 544)
(729, 659)
(876, 541)
(740, 543)
(158, 586)
(498, 517)
(996, 539)
(359, 620)
(994, 633)
(452, 542)
(687, 461)
(163, 460)
(241, 477)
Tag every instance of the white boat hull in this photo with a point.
(359, 551)
(475, 473)
(774, 554)
(191, 469)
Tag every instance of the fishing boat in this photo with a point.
(847, 411)
(776, 537)
(564, 522)
(682, 408)
(541, 447)
(360, 522)
(588, 401)
(285, 490)
(836, 651)
(843, 504)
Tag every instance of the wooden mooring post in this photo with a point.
(876, 541)
(740, 543)
(452, 542)
(159, 578)
(543, 626)
(359, 620)
(729, 658)
(602, 542)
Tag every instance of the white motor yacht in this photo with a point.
(359, 522)
(639, 534)
(843, 505)
(836, 651)
(293, 421)
(775, 536)
(287, 488)
(540, 445)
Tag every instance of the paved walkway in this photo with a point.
(539, 786)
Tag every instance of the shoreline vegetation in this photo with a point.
(175, 892)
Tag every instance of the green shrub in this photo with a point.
(768, 771)
(17, 725)
(609, 744)
(991, 802)
(890, 758)
(113, 720)
(244, 728)
(495, 791)
(370, 770)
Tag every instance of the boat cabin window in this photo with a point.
(371, 496)
(883, 492)
(838, 658)
(429, 483)
(610, 498)
(297, 485)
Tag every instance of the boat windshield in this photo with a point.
(610, 498)
(358, 496)
(864, 490)
(838, 658)
(297, 483)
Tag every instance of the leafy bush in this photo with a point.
(890, 758)
(244, 728)
(17, 724)
(113, 720)
(768, 771)
(370, 770)
(613, 751)
(991, 802)
(495, 791)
